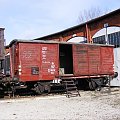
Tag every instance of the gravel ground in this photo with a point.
(90, 106)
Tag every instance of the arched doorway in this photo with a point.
(112, 33)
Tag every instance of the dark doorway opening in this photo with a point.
(66, 59)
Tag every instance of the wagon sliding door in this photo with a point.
(80, 59)
(49, 61)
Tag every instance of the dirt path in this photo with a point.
(90, 106)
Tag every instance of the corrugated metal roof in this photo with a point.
(50, 42)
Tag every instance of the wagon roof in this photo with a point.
(50, 42)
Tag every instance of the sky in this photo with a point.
(29, 19)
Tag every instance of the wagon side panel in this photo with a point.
(107, 60)
(29, 62)
(94, 59)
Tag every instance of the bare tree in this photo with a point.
(89, 14)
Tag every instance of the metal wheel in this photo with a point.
(92, 85)
(38, 89)
(41, 88)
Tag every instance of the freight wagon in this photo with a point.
(38, 65)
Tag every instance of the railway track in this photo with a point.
(30, 94)
(104, 92)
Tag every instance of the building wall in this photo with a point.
(87, 29)
(1, 43)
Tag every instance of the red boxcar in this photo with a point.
(43, 61)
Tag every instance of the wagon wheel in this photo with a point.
(92, 85)
(39, 88)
